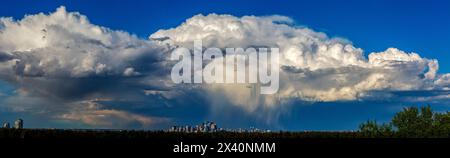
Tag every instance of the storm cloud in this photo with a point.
(65, 68)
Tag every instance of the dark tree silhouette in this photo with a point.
(412, 122)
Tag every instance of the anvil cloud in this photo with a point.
(66, 68)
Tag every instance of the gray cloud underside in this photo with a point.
(64, 67)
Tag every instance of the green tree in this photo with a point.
(412, 122)
(372, 129)
(441, 124)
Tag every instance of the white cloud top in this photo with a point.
(62, 58)
(66, 44)
(316, 67)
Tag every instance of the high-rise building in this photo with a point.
(18, 124)
(173, 129)
(6, 125)
(207, 126)
(197, 128)
(213, 127)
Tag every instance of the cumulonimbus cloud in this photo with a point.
(61, 57)
(315, 67)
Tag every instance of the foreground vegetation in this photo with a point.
(412, 122)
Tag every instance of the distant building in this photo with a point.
(173, 129)
(18, 124)
(213, 127)
(197, 128)
(210, 126)
(6, 125)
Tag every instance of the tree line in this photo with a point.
(412, 122)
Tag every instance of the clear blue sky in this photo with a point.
(374, 25)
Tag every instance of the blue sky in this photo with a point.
(373, 25)
(410, 25)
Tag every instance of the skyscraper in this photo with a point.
(6, 125)
(18, 124)
(213, 127)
